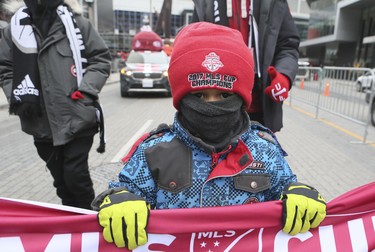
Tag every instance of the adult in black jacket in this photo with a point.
(275, 42)
(53, 65)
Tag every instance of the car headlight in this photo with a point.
(165, 73)
(126, 72)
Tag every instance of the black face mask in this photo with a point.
(38, 7)
(44, 3)
(217, 123)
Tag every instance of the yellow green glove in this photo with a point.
(303, 208)
(124, 217)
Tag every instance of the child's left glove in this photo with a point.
(303, 208)
(124, 217)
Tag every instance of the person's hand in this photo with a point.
(303, 208)
(279, 87)
(124, 217)
(76, 95)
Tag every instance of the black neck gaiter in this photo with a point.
(43, 13)
(216, 123)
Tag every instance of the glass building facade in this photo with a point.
(341, 33)
(322, 19)
(127, 23)
(365, 50)
(118, 21)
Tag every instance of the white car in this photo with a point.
(365, 81)
(145, 71)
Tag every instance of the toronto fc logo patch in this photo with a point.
(73, 70)
(212, 62)
(210, 79)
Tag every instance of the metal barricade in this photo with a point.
(307, 86)
(338, 90)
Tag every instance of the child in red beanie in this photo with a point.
(212, 155)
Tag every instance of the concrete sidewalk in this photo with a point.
(327, 153)
(3, 100)
(113, 78)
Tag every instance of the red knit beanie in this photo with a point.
(207, 55)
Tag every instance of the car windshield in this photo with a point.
(147, 57)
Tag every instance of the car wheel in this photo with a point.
(359, 87)
(373, 113)
(124, 93)
(123, 90)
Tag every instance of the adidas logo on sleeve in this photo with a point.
(26, 88)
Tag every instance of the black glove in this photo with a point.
(303, 208)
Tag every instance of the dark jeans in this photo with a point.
(69, 168)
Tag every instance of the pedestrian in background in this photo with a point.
(53, 64)
(212, 155)
(269, 29)
(4, 19)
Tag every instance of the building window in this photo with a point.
(322, 19)
(130, 22)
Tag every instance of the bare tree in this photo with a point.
(163, 25)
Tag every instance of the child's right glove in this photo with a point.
(303, 208)
(124, 217)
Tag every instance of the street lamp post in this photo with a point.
(151, 14)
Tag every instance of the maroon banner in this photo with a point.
(349, 226)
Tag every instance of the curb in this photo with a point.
(3, 106)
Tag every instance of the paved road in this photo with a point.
(326, 153)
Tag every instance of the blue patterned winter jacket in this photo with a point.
(173, 169)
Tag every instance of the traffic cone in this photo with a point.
(326, 90)
(302, 84)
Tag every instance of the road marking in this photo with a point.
(302, 111)
(132, 140)
(331, 124)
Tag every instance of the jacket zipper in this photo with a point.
(215, 159)
(215, 156)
